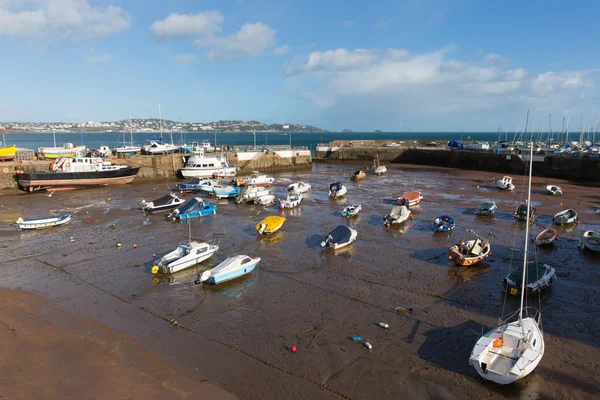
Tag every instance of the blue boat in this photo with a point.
(192, 186)
(443, 223)
(232, 268)
(194, 208)
(226, 192)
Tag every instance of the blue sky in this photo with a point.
(391, 65)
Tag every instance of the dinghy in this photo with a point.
(339, 237)
(194, 208)
(336, 190)
(397, 215)
(506, 183)
(292, 200)
(232, 268)
(539, 277)
(443, 223)
(187, 254)
(352, 210)
(410, 198)
(249, 193)
(164, 203)
(358, 175)
(566, 217)
(379, 169)
(193, 185)
(547, 236)
(554, 190)
(486, 208)
(269, 225)
(226, 192)
(512, 350)
(299, 187)
(265, 200)
(470, 252)
(40, 223)
(590, 240)
(521, 213)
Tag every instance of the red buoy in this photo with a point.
(293, 349)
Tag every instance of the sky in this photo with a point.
(392, 65)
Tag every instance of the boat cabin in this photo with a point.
(83, 164)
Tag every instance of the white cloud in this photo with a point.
(495, 59)
(201, 25)
(65, 19)
(383, 23)
(281, 50)
(334, 60)
(251, 39)
(95, 59)
(185, 58)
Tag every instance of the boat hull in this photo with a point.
(215, 280)
(43, 223)
(46, 180)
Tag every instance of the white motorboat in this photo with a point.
(157, 147)
(566, 217)
(207, 167)
(554, 190)
(40, 223)
(340, 237)
(506, 183)
(258, 178)
(231, 268)
(410, 198)
(249, 193)
(351, 210)
(299, 187)
(292, 200)
(164, 203)
(397, 215)
(336, 190)
(590, 240)
(187, 254)
(265, 200)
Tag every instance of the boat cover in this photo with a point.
(168, 199)
(535, 271)
(399, 212)
(341, 234)
(192, 206)
(485, 206)
(455, 145)
(334, 187)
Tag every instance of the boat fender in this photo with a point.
(67, 164)
(154, 269)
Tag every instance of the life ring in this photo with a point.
(5, 170)
(68, 164)
(94, 161)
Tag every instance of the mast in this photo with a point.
(567, 131)
(54, 136)
(160, 121)
(526, 236)
(549, 123)
(594, 128)
(581, 130)
(130, 128)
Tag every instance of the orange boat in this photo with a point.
(467, 253)
(410, 198)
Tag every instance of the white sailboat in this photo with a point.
(130, 148)
(379, 169)
(513, 349)
(156, 145)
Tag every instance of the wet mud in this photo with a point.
(239, 333)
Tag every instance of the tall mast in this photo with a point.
(130, 128)
(549, 123)
(160, 121)
(567, 131)
(594, 128)
(561, 130)
(526, 235)
(581, 130)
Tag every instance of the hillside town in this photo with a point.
(154, 125)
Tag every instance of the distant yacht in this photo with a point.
(207, 167)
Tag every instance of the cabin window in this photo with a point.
(211, 165)
(247, 259)
(534, 341)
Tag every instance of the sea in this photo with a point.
(310, 140)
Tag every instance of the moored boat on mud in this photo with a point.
(164, 203)
(336, 190)
(340, 237)
(469, 252)
(410, 198)
(547, 236)
(351, 210)
(565, 217)
(232, 268)
(269, 225)
(397, 215)
(40, 223)
(505, 183)
(590, 240)
(554, 190)
(486, 208)
(186, 255)
(443, 223)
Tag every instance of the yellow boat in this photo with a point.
(8, 153)
(270, 224)
(241, 181)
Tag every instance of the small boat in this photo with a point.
(397, 215)
(443, 223)
(554, 190)
(539, 277)
(486, 208)
(566, 217)
(470, 252)
(506, 183)
(358, 175)
(410, 198)
(162, 204)
(226, 192)
(299, 187)
(339, 237)
(67, 150)
(209, 186)
(194, 208)
(258, 178)
(187, 254)
(270, 225)
(379, 169)
(232, 268)
(521, 213)
(249, 193)
(265, 200)
(292, 200)
(193, 185)
(590, 240)
(547, 236)
(336, 189)
(40, 223)
(8, 153)
(352, 210)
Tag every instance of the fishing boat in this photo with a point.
(75, 172)
(265, 200)
(547, 236)
(523, 214)
(187, 254)
(232, 268)
(201, 166)
(336, 190)
(565, 217)
(66, 150)
(164, 203)
(506, 183)
(299, 187)
(443, 223)
(192, 185)
(226, 192)
(512, 350)
(340, 237)
(351, 211)
(269, 225)
(358, 175)
(397, 215)
(249, 193)
(469, 252)
(486, 208)
(590, 240)
(40, 223)
(410, 198)
(554, 190)
(8, 153)
(292, 200)
(258, 178)
(194, 208)
(379, 169)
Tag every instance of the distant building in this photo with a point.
(286, 127)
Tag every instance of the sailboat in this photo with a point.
(130, 148)
(513, 349)
(379, 169)
(156, 145)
